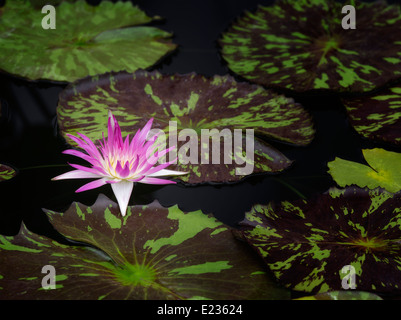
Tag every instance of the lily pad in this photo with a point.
(189, 107)
(87, 40)
(384, 170)
(308, 243)
(377, 116)
(343, 295)
(6, 172)
(302, 46)
(151, 253)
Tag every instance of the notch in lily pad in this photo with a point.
(383, 170)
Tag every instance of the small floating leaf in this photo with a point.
(306, 244)
(384, 170)
(302, 46)
(6, 172)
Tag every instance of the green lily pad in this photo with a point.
(343, 295)
(38, 4)
(302, 46)
(384, 170)
(6, 172)
(307, 244)
(377, 116)
(151, 253)
(194, 103)
(87, 40)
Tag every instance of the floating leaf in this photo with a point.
(195, 105)
(343, 295)
(301, 46)
(384, 170)
(87, 40)
(151, 253)
(377, 116)
(307, 243)
(6, 172)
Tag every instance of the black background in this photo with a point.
(29, 137)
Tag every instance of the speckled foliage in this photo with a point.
(6, 172)
(87, 40)
(151, 253)
(307, 243)
(193, 102)
(377, 116)
(301, 45)
(343, 295)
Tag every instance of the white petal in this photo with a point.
(77, 174)
(166, 172)
(122, 190)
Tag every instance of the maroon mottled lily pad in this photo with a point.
(377, 116)
(193, 103)
(151, 253)
(343, 295)
(307, 243)
(7, 172)
(301, 45)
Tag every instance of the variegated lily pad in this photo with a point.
(343, 295)
(302, 46)
(151, 253)
(6, 172)
(308, 243)
(384, 170)
(87, 40)
(377, 116)
(187, 108)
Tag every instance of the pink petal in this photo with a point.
(90, 148)
(145, 131)
(166, 172)
(76, 174)
(135, 164)
(122, 172)
(78, 141)
(122, 190)
(81, 155)
(92, 185)
(86, 169)
(150, 180)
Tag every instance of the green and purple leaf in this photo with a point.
(6, 172)
(377, 116)
(151, 253)
(343, 295)
(87, 40)
(384, 170)
(301, 45)
(193, 102)
(306, 244)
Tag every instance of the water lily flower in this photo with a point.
(120, 162)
